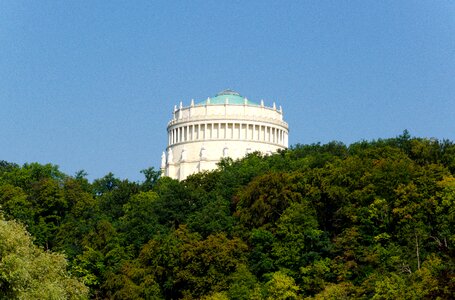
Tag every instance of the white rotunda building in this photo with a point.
(227, 125)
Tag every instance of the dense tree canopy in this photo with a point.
(373, 220)
(28, 272)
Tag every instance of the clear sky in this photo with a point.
(91, 84)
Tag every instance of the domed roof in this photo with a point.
(232, 97)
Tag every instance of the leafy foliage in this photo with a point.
(372, 220)
(29, 272)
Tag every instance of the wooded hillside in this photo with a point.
(373, 220)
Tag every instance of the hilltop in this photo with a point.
(372, 220)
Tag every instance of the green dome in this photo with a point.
(232, 96)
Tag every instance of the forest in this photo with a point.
(372, 220)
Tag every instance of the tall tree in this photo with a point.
(28, 272)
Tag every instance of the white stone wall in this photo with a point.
(199, 136)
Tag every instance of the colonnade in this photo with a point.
(230, 131)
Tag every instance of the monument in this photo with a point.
(227, 125)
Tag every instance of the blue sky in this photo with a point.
(91, 84)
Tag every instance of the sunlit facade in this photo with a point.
(227, 125)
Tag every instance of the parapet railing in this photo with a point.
(228, 117)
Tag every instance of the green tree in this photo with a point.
(214, 216)
(206, 264)
(28, 272)
(260, 256)
(340, 291)
(281, 287)
(243, 285)
(299, 239)
(175, 202)
(265, 198)
(50, 205)
(151, 178)
(80, 218)
(15, 204)
(139, 222)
